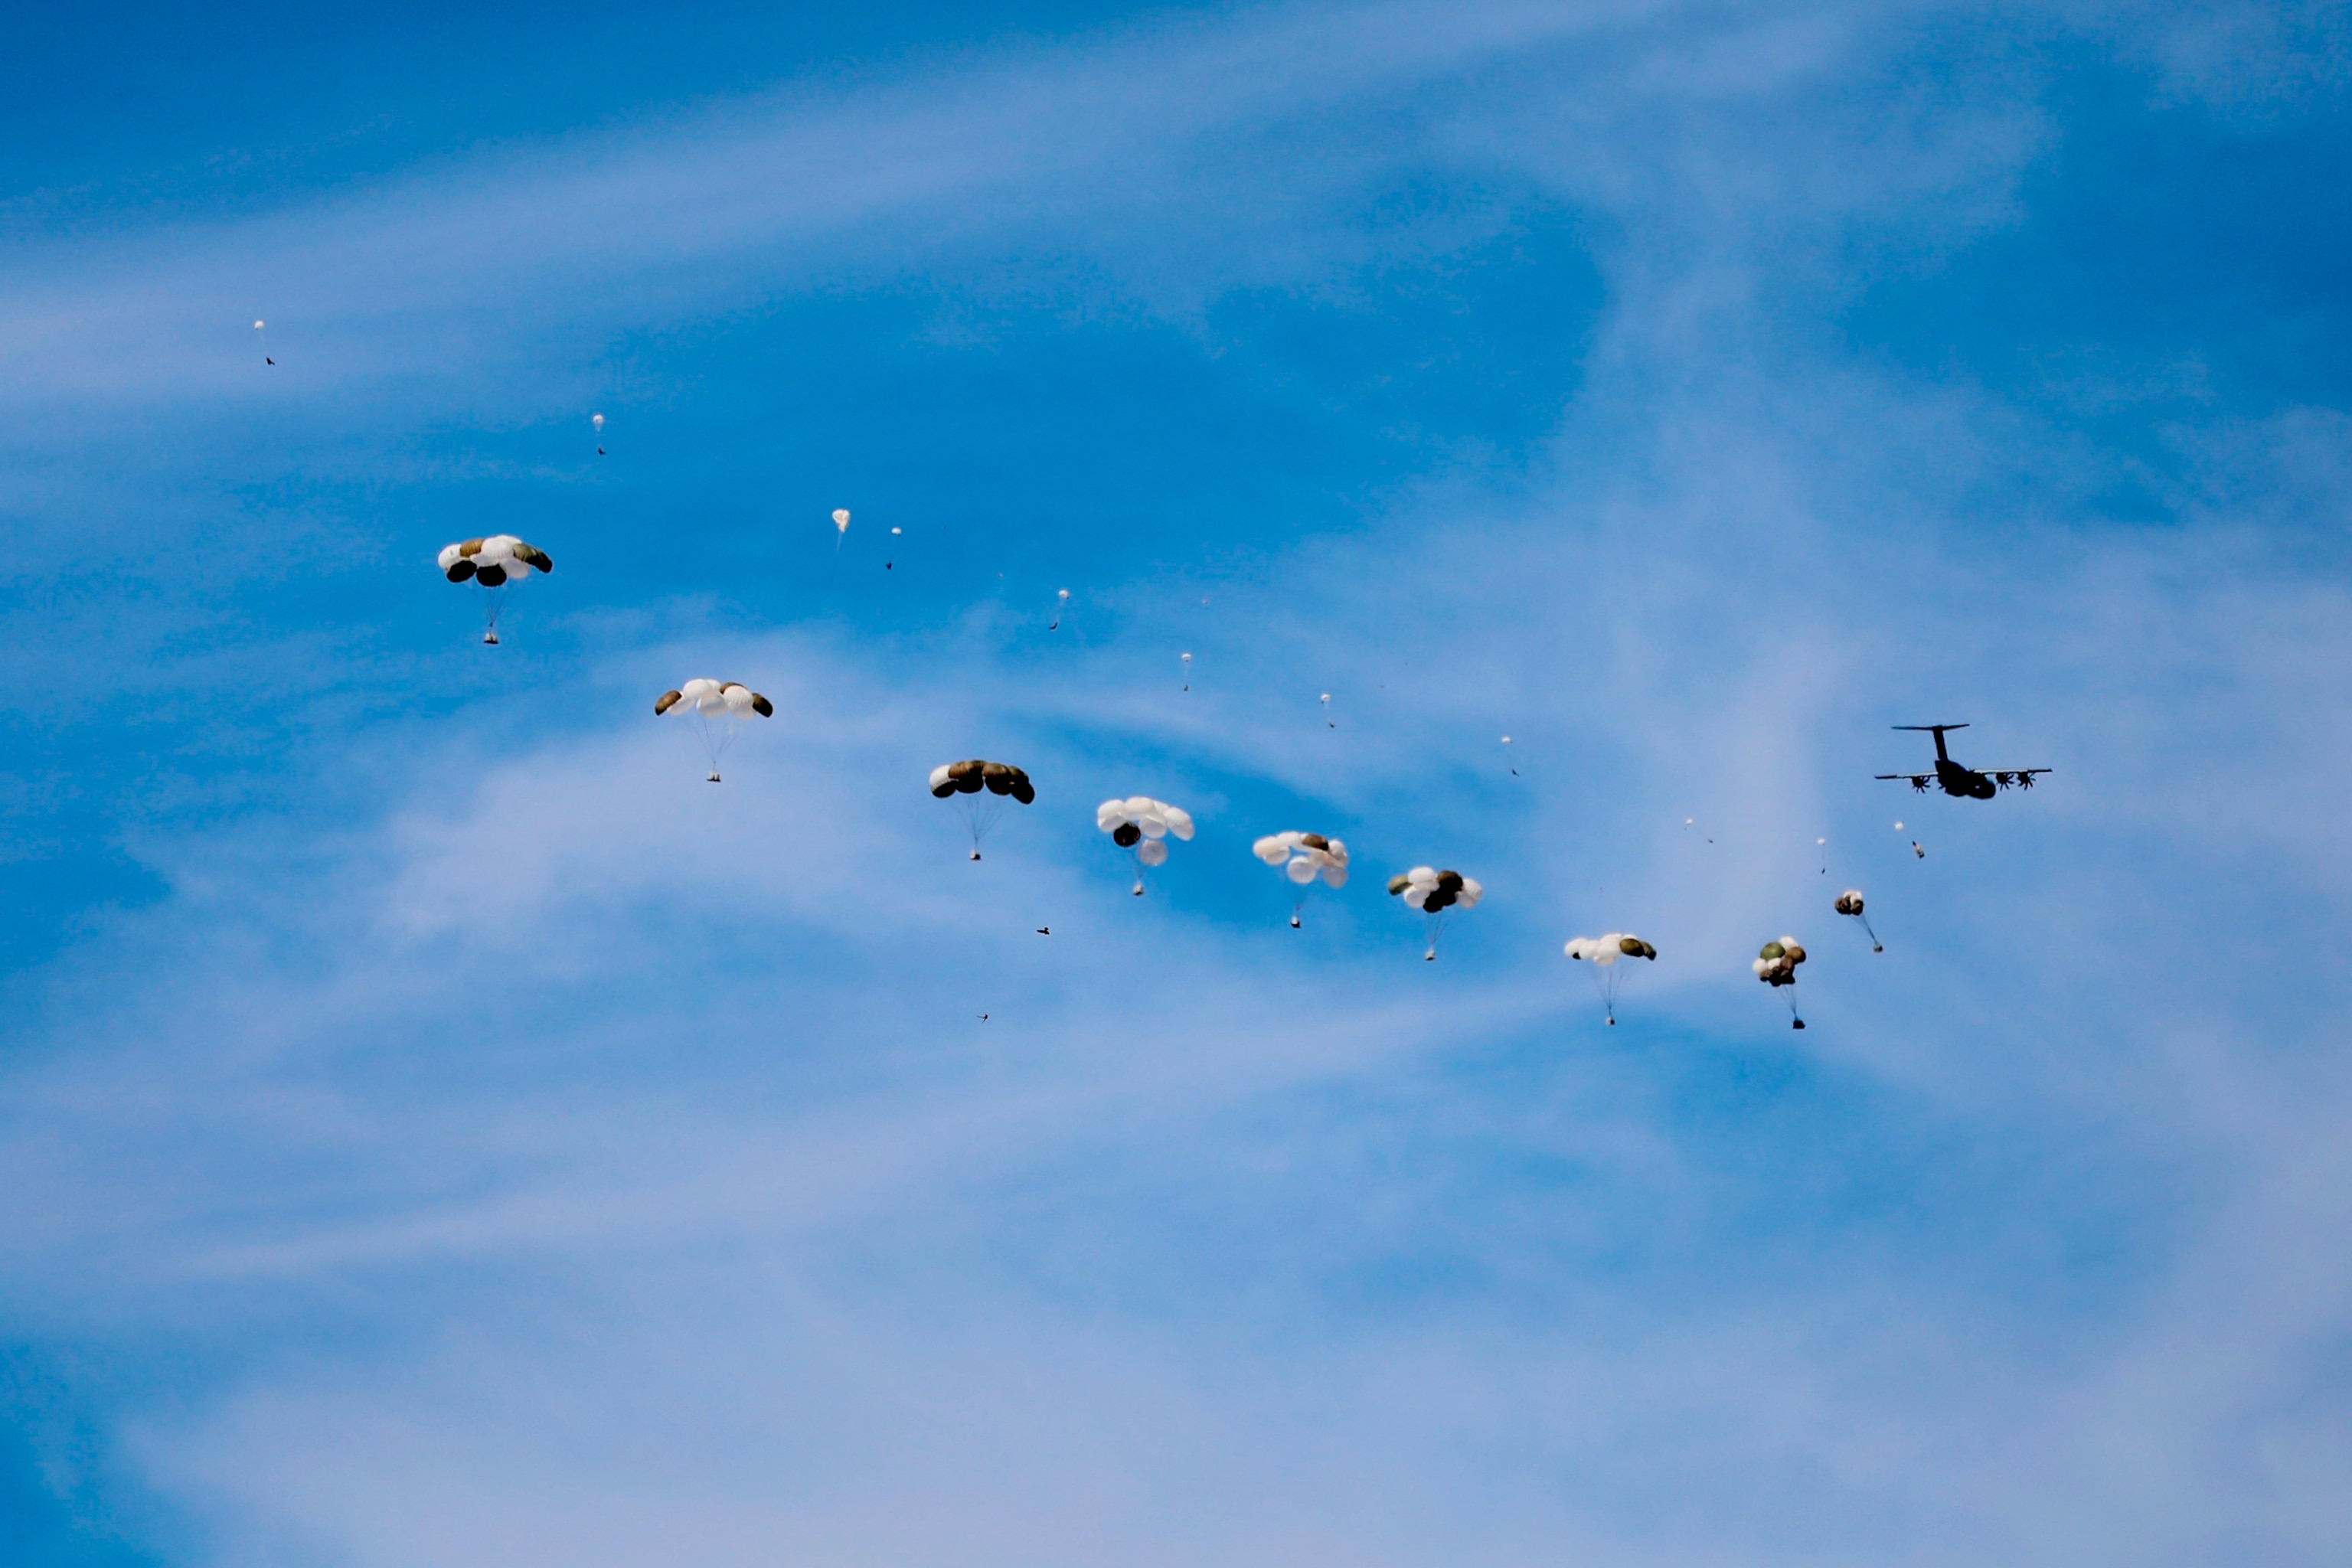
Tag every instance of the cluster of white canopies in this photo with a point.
(981, 791)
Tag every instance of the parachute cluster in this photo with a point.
(1143, 825)
(1303, 858)
(978, 789)
(713, 704)
(1432, 892)
(1603, 952)
(493, 562)
(1776, 966)
(1849, 903)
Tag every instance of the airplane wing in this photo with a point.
(1918, 780)
(2013, 778)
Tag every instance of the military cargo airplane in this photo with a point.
(1968, 784)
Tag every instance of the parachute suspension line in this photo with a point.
(980, 812)
(1295, 908)
(717, 736)
(1876, 945)
(1436, 929)
(1061, 603)
(498, 601)
(1795, 1022)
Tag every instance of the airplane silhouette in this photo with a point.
(1967, 783)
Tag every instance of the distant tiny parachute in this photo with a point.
(1850, 903)
(261, 330)
(1143, 825)
(1776, 966)
(598, 422)
(1187, 660)
(493, 562)
(979, 789)
(716, 706)
(1061, 603)
(1434, 893)
(1304, 858)
(1328, 723)
(1603, 953)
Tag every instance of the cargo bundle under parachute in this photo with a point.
(716, 706)
(492, 563)
(1602, 954)
(1434, 892)
(978, 789)
(1304, 858)
(1143, 825)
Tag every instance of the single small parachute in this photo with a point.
(1187, 660)
(1304, 858)
(1850, 903)
(1602, 954)
(1776, 966)
(596, 421)
(493, 562)
(1061, 603)
(1143, 825)
(716, 706)
(261, 330)
(1434, 892)
(978, 789)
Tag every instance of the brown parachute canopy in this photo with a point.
(975, 774)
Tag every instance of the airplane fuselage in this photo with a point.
(1966, 782)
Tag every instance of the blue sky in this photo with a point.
(440, 1128)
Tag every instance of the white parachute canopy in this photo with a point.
(841, 520)
(1143, 825)
(714, 704)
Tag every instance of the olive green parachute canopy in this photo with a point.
(1303, 857)
(1776, 961)
(492, 562)
(703, 695)
(1432, 890)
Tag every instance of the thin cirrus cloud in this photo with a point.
(621, 1167)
